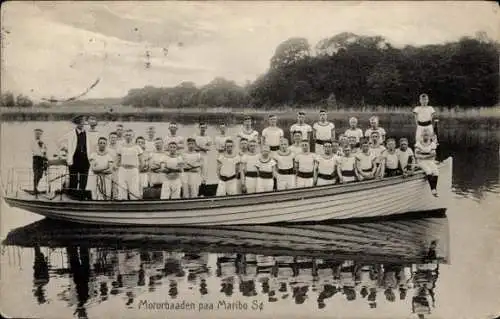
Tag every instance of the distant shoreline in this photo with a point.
(214, 115)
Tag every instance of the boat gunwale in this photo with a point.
(264, 197)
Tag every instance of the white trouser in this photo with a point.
(143, 180)
(348, 179)
(204, 159)
(304, 182)
(322, 181)
(251, 184)
(191, 182)
(429, 167)
(229, 187)
(101, 189)
(114, 185)
(128, 182)
(420, 131)
(265, 185)
(285, 181)
(91, 182)
(171, 188)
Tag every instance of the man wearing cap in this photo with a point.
(78, 151)
(39, 152)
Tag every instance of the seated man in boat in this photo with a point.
(405, 157)
(377, 149)
(323, 131)
(425, 153)
(354, 130)
(156, 158)
(374, 127)
(266, 168)
(285, 166)
(144, 169)
(336, 148)
(304, 167)
(174, 137)
(326, 167)
(129, 159)
(249, 172)
(227, 167)
(389, 160)
(39, 154)
(172, 167)
(272, 134)
(119, 134)
(346, 166)
(193, 170)
(101, 163)
(365, 162)
(220, 140)
(296, 147)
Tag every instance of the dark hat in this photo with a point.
(38, 130)
(79, 119)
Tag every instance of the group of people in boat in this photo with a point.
(123, 164)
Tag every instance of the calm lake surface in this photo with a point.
(107, 272)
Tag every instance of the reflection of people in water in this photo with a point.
(80, 269)
(420, 303)
(203, 287)
(173, 292)
(347, 281)
(40, 275)
(328, 292)
(389, 281)
(372, 298)
(227, 286)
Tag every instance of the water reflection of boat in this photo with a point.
(394, 195)
(382, 241)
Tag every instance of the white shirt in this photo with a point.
(365, 160)
(284, 161)
(272, 135)
(253, 135)
(266, 166)
(220, 142)
(203, 141)
(179, 140)
(173, 162)
(250, 162)
(391, 160)
(404, 156)
(357, 133)
(150, 146)
(296, 149)
(377, 151)
(327, 165)
(129, 154)
(346, 163)
(380, 131)
(306, 162)
(92, 138)
(323, 130)
(156, 158)
(424, 113)
(304, 128)
(36, 150)
(228, 164)
(192, 159)
(101, 161)
(420, 147)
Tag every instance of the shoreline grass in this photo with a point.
(127, 113)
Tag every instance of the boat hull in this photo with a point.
(390, 196)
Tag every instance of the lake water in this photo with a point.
(96, 272)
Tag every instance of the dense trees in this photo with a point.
(8, 100)
(352, 70)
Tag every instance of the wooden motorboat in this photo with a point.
(373, 198)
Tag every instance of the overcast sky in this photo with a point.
(60, 48)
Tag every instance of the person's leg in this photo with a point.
(133, 182)
(186, 190)
(83, 177)
(176, 187)
(251, 184)
(221, 189)
(73, 177)
(37, 172)
(122, 184)
(165, 190)
(232, 187)
(194, 184)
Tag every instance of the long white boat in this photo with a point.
(374, 198)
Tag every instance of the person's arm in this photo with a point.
(382, 164)
(140, 155)
(415, 115)
(315, 172)
(275, 169)
(313, 133)
(357, 170)
(296, 165)
(333, 132)
(219, 166)
(309, 134)
(263, 137)
(339, 172)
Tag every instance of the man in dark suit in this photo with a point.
(78, 156)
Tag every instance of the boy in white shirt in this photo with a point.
(406, 157)
(272, 134)
(323, 131)
(173, 137)
(172, 167)
(285, 165)
(424, 115)
(129, 159)
(296, 147)
(227, 168)
(249, 172)
(266, 167)
(305, 164)
(220, 140)
(374, 127)
(354, 130)
(101, 163)
(302, 126)
(193, 170)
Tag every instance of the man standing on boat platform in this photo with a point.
(39, 152)
(78, 156)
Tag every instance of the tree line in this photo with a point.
(351, 70)
(8, 100)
